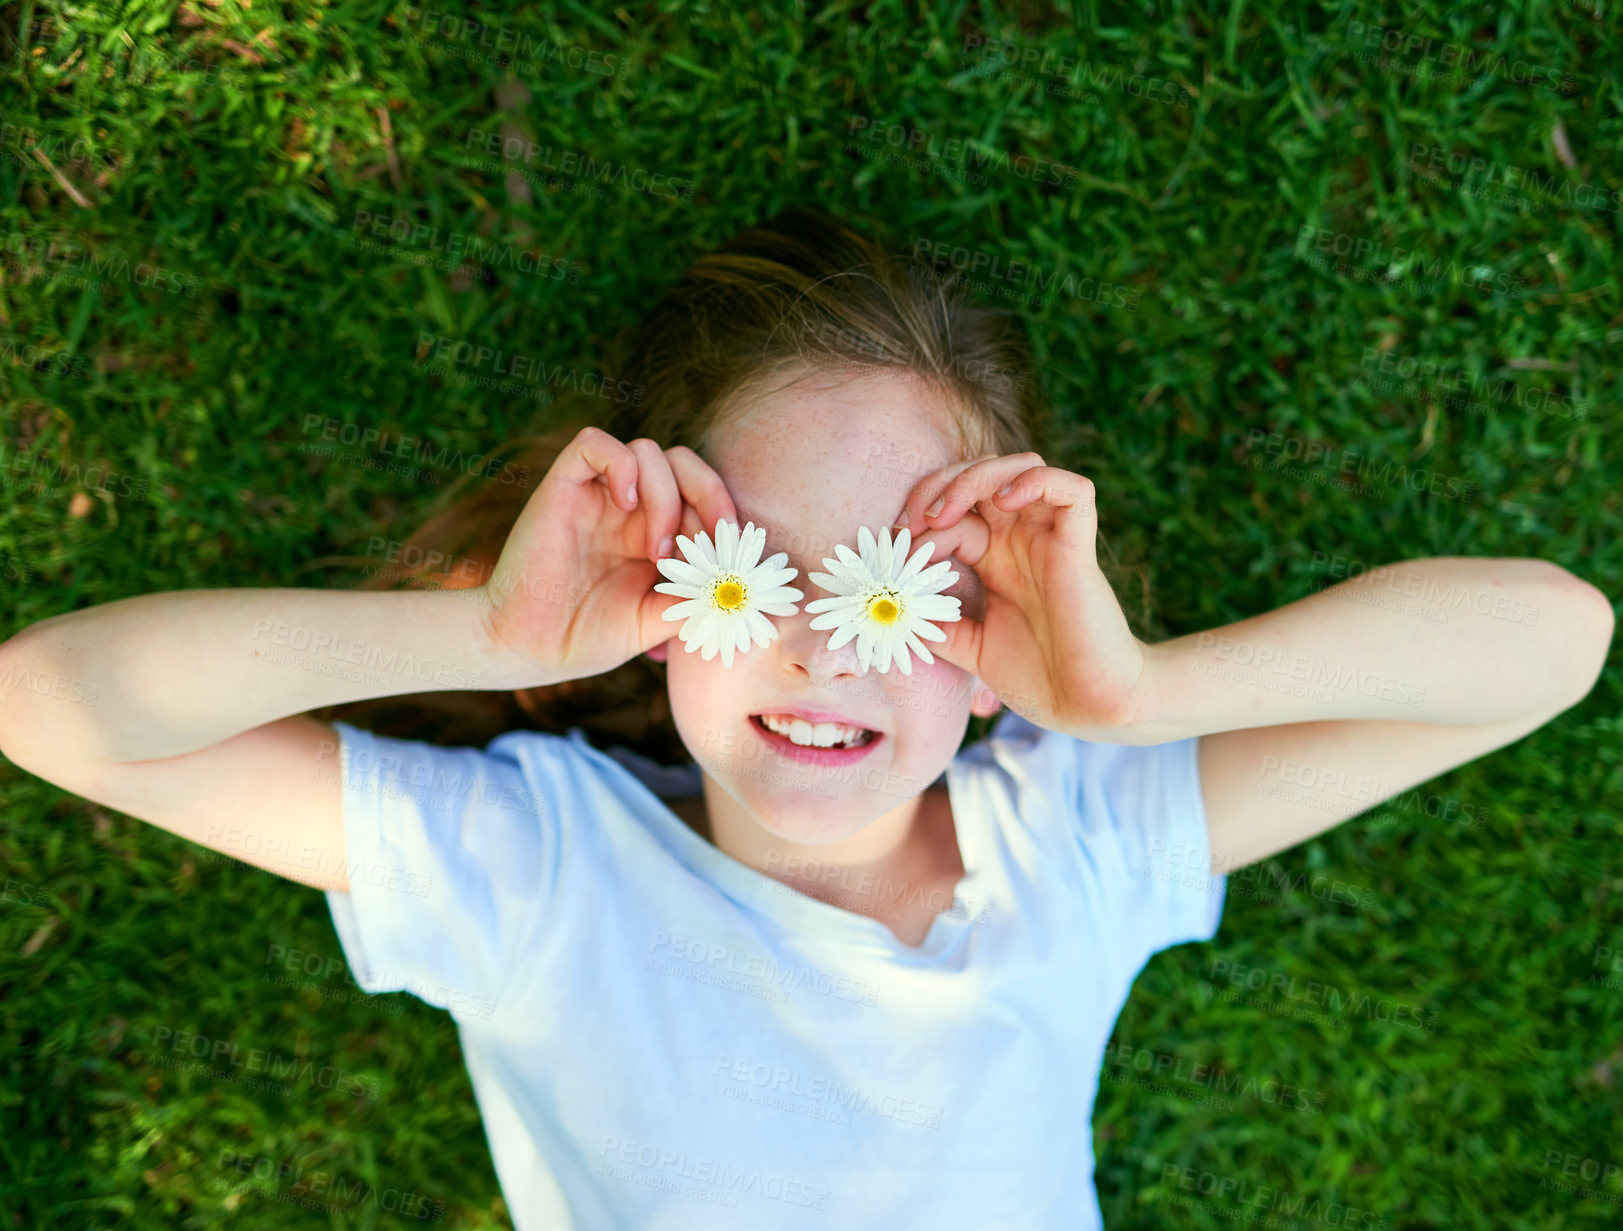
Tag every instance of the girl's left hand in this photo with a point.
(1052, 642)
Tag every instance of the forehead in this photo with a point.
(814, 461)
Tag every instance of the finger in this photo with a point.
(652, 626)
(975, 484)
(966, 540)
(1070, 496)
(962, 646)
(691, 525)
(702, 488)
(661, 502)
(595, 455)
(926, 490)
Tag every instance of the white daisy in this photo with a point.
(727, 589)
(884, 603)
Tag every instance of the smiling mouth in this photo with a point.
(835, 736)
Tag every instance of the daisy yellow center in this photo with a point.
(729, 594)
(883, 608)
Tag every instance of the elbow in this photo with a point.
(1588, 622)
(12, 697)
(28, 686)
(12, 675)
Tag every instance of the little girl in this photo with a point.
(831, 969)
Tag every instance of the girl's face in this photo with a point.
(811, 464)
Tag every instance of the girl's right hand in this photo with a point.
(573, 591)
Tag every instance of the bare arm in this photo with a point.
(185, 709)
(160, 675)
(1305, 715)
(1322, 709)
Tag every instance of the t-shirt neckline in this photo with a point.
(803, 912)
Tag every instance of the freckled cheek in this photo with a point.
(707, 698)
(930, 706)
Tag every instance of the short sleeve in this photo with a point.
(1142, 819)
(452, 863)
(1138, 823)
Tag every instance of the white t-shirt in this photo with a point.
(660, 1037)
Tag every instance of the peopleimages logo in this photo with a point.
(259, 1060)
(1021, 273)
(525, 49)
(1458, 381)
(1267, 1201)
(348, 1193)
(1370, 253)
(1485, 171)
(1282, 448)
(98, 267)
(961, 150)
(29, 355)
(579, 163)
(415, 449)
(473, 251)
(528, 369)
(1311, 669)
(1423, 57)
(701, 1177)
(1079, 73)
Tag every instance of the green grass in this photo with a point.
(239, 183)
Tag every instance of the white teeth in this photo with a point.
(818, 735)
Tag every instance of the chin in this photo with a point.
(810, 815)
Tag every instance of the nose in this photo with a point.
(805, 653)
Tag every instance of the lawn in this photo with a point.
(1311, 289)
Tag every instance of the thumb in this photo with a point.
(653, 628)
(962, 647)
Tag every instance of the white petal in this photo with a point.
(834, 583)
(844, 556)
(682, 611)
(849, 570)
(679, 589)
(770, 580)
(935, 607)
(843, 633)
(698, 552)
(865, 655)
(741, 554)
(918, 647)
(867, 549)
(915, 566)
(750, 545)
(904, 539)
(761, 629)
(840, 602)
(726, 545)
(937, 577)
(680, 570)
